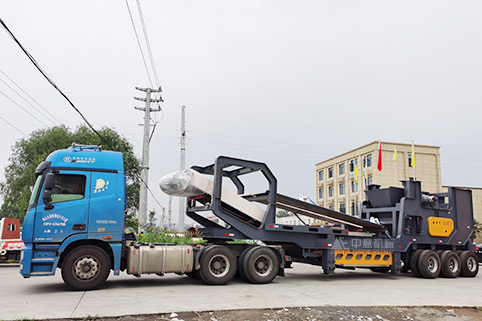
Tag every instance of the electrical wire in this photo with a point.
(60, 91)
(21, 132)
(18, 86)
(51, 81)
(36, 109)
(148, 45)
(139, 44)
(25, 110)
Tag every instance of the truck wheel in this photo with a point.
(470, 264)
(450, 264)
(86, 268)
(414, 263)
(218, 265)
(429, 264)
(240, 263)
(261, 265)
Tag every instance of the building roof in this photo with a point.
(374, 142)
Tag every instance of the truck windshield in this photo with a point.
(35, 189)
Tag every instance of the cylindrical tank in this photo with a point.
(159, 259)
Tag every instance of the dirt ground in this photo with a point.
(314, 313)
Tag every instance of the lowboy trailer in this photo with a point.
(75, 222)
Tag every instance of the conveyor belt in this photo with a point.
(293, 205)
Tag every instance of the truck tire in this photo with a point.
(414, 263)
(218, 265)
(86, 268)
(260, 265)
(429, 264)
(469, 263)
(451, 264)
(240, 263)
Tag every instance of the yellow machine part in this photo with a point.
(362, 257)
(439, 226)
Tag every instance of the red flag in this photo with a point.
(379, 156)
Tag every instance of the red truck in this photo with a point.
(11, 243)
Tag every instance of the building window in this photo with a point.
(342, 189)
(341, 169)
(355, 209)
(330, 172)
(370, 180)
(321, 193)
(11, 227)
(321, 175)
(369, 160)
(343, 207)
(410, 160)
(353, 163)
(354, 186)
(332, 207)
(331, 191)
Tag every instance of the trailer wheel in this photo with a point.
(86, 268)
(451, 264)
(261, 265)
(414, 263)
(218, 265)
(429, 264)
(470, 264)
(240, 262)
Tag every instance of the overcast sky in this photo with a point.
(289, 83)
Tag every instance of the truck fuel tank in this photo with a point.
(159, 259)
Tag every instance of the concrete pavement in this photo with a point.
(304, 285)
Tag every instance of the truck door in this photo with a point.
(69, 212)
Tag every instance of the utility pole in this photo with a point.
(182, 200)
(145, 151)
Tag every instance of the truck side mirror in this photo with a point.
(47, 192)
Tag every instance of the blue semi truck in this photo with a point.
(75, 223)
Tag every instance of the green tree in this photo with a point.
(27, 153)
(283, 213)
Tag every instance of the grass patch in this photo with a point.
(166, 236)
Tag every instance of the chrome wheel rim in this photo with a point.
(86, 268)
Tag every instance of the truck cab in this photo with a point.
(78, 203)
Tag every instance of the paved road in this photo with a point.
(304, 285)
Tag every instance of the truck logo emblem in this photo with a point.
(100, 185)
(67, 159)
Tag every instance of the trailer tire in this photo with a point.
(414, 263)
(470, 264)
(240, 263)
(260, 265)
(218, 265)
(429, 264)
(451, 264)
(86, 268)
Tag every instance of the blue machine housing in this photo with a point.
(94, 215)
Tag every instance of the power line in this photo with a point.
(21, 132)
(148, 45)
(55, 86)
(26, 101)
(25, 110)
(50, 80)
(139, 44)
(18, 86)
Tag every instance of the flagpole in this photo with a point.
(379, 167)
(413, 160)
(395, 158)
